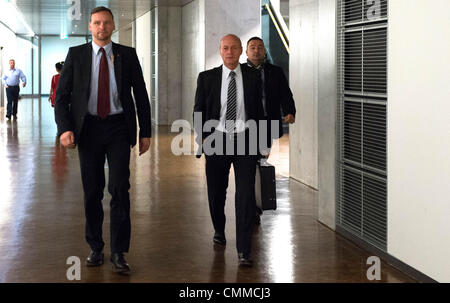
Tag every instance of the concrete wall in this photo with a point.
(304, 82)
(242, 18)
(191, 58)
(419, 135)
(313, 80)
(125, 35)
(327, 104)
(169, 64)
(204, 24)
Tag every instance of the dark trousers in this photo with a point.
(217, 171)
(108, 139)
(12, 94)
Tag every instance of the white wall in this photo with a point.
(9, 44)
(54, 49)
(143, 47)
(419, 135)
(303, 78)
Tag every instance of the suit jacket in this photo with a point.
(278, 94)
(73, 91)
(208, 94)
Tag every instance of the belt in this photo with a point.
(115, 117)
(234, 136)
(13, 86)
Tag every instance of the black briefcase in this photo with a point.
(265, 186)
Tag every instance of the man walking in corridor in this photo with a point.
(94, 109)
(11, 81)
(230, 96)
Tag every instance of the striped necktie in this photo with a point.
(230, 116)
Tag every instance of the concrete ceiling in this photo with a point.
(50, 17)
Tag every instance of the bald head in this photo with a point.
(230, 50)
(231, 37)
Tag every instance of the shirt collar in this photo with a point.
(107, 47)
(259, 67)
(227, 71)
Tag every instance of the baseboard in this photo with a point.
(396, 263)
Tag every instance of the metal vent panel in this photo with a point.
(353, 61)
(364, 212)
(362, 121)
(351, 210)
(374, 136)
(352, 131)
(374, 207)
(375, 60)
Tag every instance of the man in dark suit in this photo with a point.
(276, 95)
(229, 96)
(94, 109)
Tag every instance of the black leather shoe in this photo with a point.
(119, 263)
(15, 117)
(95, 259)
(8, 117)
(220, 239)
(244, 261)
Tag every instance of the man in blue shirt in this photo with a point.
(11, 81)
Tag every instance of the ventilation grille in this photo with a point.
(362, 119)
(365, 62)
(364, 210)
(364, 135)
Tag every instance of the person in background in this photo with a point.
(11, 81)
(276, 94)
(54, 84)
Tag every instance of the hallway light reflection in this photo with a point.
(5, 179)
(13, 17)
(281, 250)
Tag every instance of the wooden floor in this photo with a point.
(42, 218)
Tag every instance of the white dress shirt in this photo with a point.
(13, 76)
(115, 106)
(240, 106)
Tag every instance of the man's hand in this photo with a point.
(289, 119)
(67, 140)
(265, 153)
(144, 144)
(6, 86)
(24, 84)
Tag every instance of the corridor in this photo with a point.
(42, 218)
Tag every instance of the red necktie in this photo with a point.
(103, 106)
